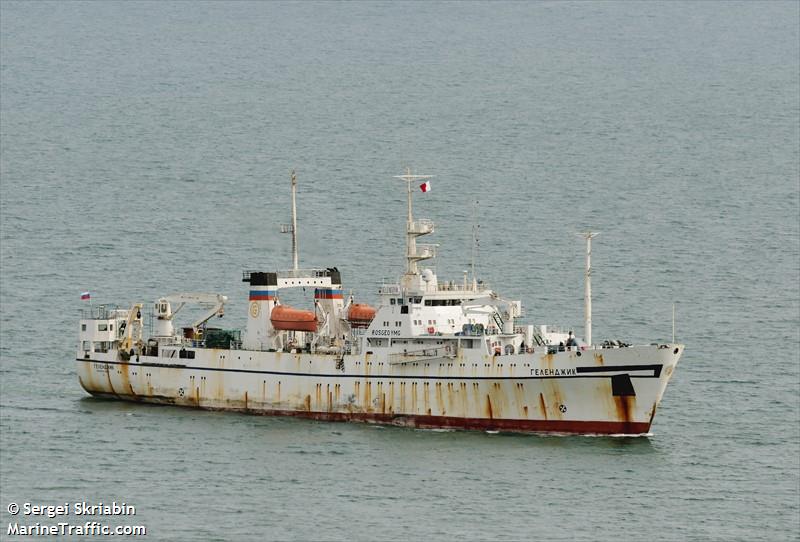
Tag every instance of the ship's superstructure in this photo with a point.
(432, 354)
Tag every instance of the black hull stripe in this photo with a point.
(655, 368)
(602, 369)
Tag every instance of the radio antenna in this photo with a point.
(475, 243)
(292, 228)
(587, 295)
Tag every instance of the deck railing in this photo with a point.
(389, 288)
(98, 312)
(425, 354)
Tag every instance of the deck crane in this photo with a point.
(130, 329)
(215, 303)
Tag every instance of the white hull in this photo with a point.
(605, 391)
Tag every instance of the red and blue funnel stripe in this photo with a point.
(327, 293)
(263, 295)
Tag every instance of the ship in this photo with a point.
(433, 354)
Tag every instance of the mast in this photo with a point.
(413, 230)
(292, 228)
(475, 243)
(294, 221)
(587, 296)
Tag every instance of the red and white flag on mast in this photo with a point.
(85, 295)
(426, 186)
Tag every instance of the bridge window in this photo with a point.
(102, 327)
(83, 327)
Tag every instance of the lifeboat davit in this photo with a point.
(360, 314)
(286, 318)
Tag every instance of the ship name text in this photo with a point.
(554, 372)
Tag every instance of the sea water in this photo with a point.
(146, 149)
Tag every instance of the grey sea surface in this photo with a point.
(145, 148)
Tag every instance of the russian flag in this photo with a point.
(426, 186)
(85, 295)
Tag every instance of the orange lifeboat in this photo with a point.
(286, 318)
(360, 314)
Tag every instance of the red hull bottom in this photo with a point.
(431, 422)
(479, 424)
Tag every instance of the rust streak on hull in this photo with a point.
(599, 358)
(542, 406)
(108, 377)
(126, 378)
(625, 407)
(451, 422)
